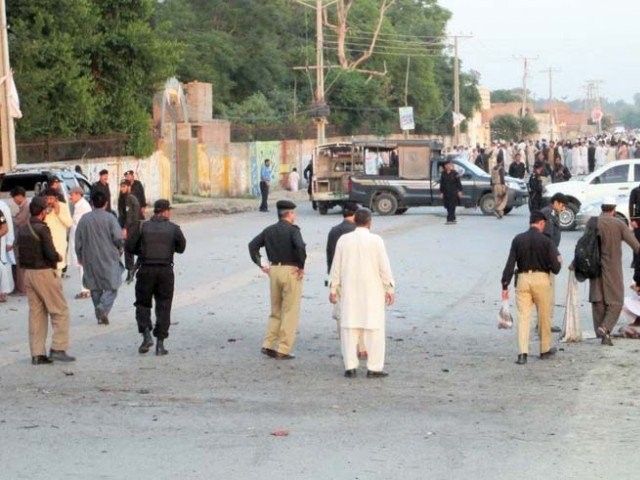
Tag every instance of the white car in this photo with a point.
(612, 180)
(593, 209)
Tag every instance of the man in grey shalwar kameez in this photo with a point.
(99, 245)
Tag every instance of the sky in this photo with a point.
(582, 39)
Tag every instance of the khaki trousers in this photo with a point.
(534, 288)
(286, 293)
(44, 292)
(500, 195)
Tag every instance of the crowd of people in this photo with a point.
(45, 236)
(561, 159)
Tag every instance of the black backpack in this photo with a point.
(586, 260)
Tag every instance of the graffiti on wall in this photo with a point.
(258, 153)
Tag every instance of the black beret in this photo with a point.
(537, 217)
(350, 208)
(161, 205)
(285, 205)
(559, 197)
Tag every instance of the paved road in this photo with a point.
(455, 405)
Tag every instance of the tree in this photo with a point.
(350, 60)
(129, 63)
(102, 83)
(506, 96)
(512, 128)
(51, 67)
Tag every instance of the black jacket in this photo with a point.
(530, 250)
(137, 190)
(332, 240)
(156, 241)
(99, 187)
(283, 243)
(35, 246)
(517, 170)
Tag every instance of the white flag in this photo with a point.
(12, 95)
(458, 118)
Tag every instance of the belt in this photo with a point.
(284, 264)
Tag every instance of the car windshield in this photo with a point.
(472, 167)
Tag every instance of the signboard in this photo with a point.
(406, 118)
(596, 114)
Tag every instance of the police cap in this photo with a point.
(285, 205)
(559, 197)
(536, 217)
(161, 205)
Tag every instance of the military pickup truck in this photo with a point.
(416, 182)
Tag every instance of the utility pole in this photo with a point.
(7, 135)
(319, 101)
(525, 74)
(456, 84)
(550, 71)
(592, 102)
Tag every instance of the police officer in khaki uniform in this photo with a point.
(536, 257)
(286, 253)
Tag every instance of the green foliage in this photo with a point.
(86, 67)
(247, 47)
(92, 66)
(506, 96)
(512, 128)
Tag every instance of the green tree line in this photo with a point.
(91, 67)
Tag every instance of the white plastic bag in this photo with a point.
(571, 329)
(505, 320)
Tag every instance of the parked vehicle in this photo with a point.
(613, 179)
(416, 183)
(35, 178)
(333, 163)
(593, 209)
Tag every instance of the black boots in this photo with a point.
(160, 350)
(41, 360)
(147, 341)
(522, 359)
(60, 356)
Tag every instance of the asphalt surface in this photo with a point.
(454, 406)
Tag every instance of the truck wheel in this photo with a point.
(568, 217)
(487, 204)
(323, 209)
(401, 210)
(385, 204)
(507, 210)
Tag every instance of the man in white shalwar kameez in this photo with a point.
(6, 251)
(361, 280)
(80, 208)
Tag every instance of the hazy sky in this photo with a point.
(583, 39)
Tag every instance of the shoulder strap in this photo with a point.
(33, 232)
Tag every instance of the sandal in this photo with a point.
(82, 295)
(605, 335)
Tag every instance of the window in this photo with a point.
(616, 174)
(636, 172)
